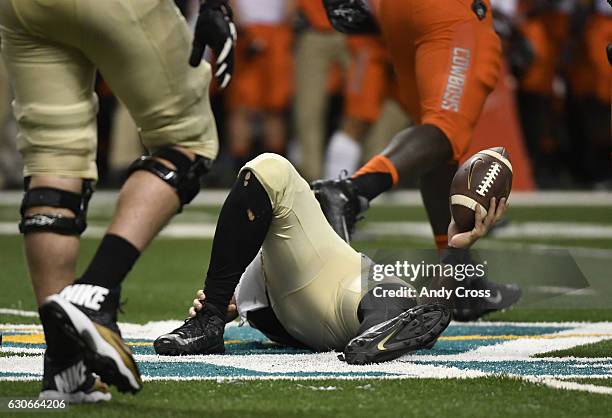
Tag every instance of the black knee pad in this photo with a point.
(185, 179)
(49, 222)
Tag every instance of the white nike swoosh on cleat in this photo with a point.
(179, 339)
(494, 299)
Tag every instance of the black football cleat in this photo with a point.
(412, 330)
(340, 204)
(69, 379)
(95, 334)
(502, 296)
(202, 334)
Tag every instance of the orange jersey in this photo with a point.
(598, 35)
(264, 67)
(315, 14)
(446, 60)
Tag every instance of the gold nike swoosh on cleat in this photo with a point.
(381, 344)
(99, 386)
(124, 351)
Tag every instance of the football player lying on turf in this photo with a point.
(298, 281)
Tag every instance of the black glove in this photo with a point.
(215, 28)
(350, 16)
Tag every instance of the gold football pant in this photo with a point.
(52, 49)
(313, 277)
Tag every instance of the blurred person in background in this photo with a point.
(10, 160)
(597, 35)
(263, 81)
(545, 25)
(318, 49)
(369, 84)
(554, 49)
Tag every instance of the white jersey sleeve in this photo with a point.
(250, 293)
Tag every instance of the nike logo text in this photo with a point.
(70, 379)
(86, 295)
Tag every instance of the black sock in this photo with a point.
(114, 259)
(370, 185)
(241, 229)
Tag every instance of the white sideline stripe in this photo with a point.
(555, 383)
(554, 230)
(151, 328)
(206, 230)
(177, 230)
(22, 350)
(396, 198)
(562, 290)
(587, 252)
(512, 230)
(18, 312)
(562, 384)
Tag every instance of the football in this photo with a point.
(486, 174)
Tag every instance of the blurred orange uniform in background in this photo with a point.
(315, 14)
(598, 34)
(263, 56)
(547, 32)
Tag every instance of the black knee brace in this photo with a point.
(51, 222)
(185, 179)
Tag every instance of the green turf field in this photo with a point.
(487, 397)
(162, 284)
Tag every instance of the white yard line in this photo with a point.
(515, 230)
(512, 230)
(398, 198)
(556, 383)
(149, 329)
(200, 230)
(18, 312)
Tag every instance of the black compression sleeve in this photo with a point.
(241, 229)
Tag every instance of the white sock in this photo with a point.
(343, 153)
